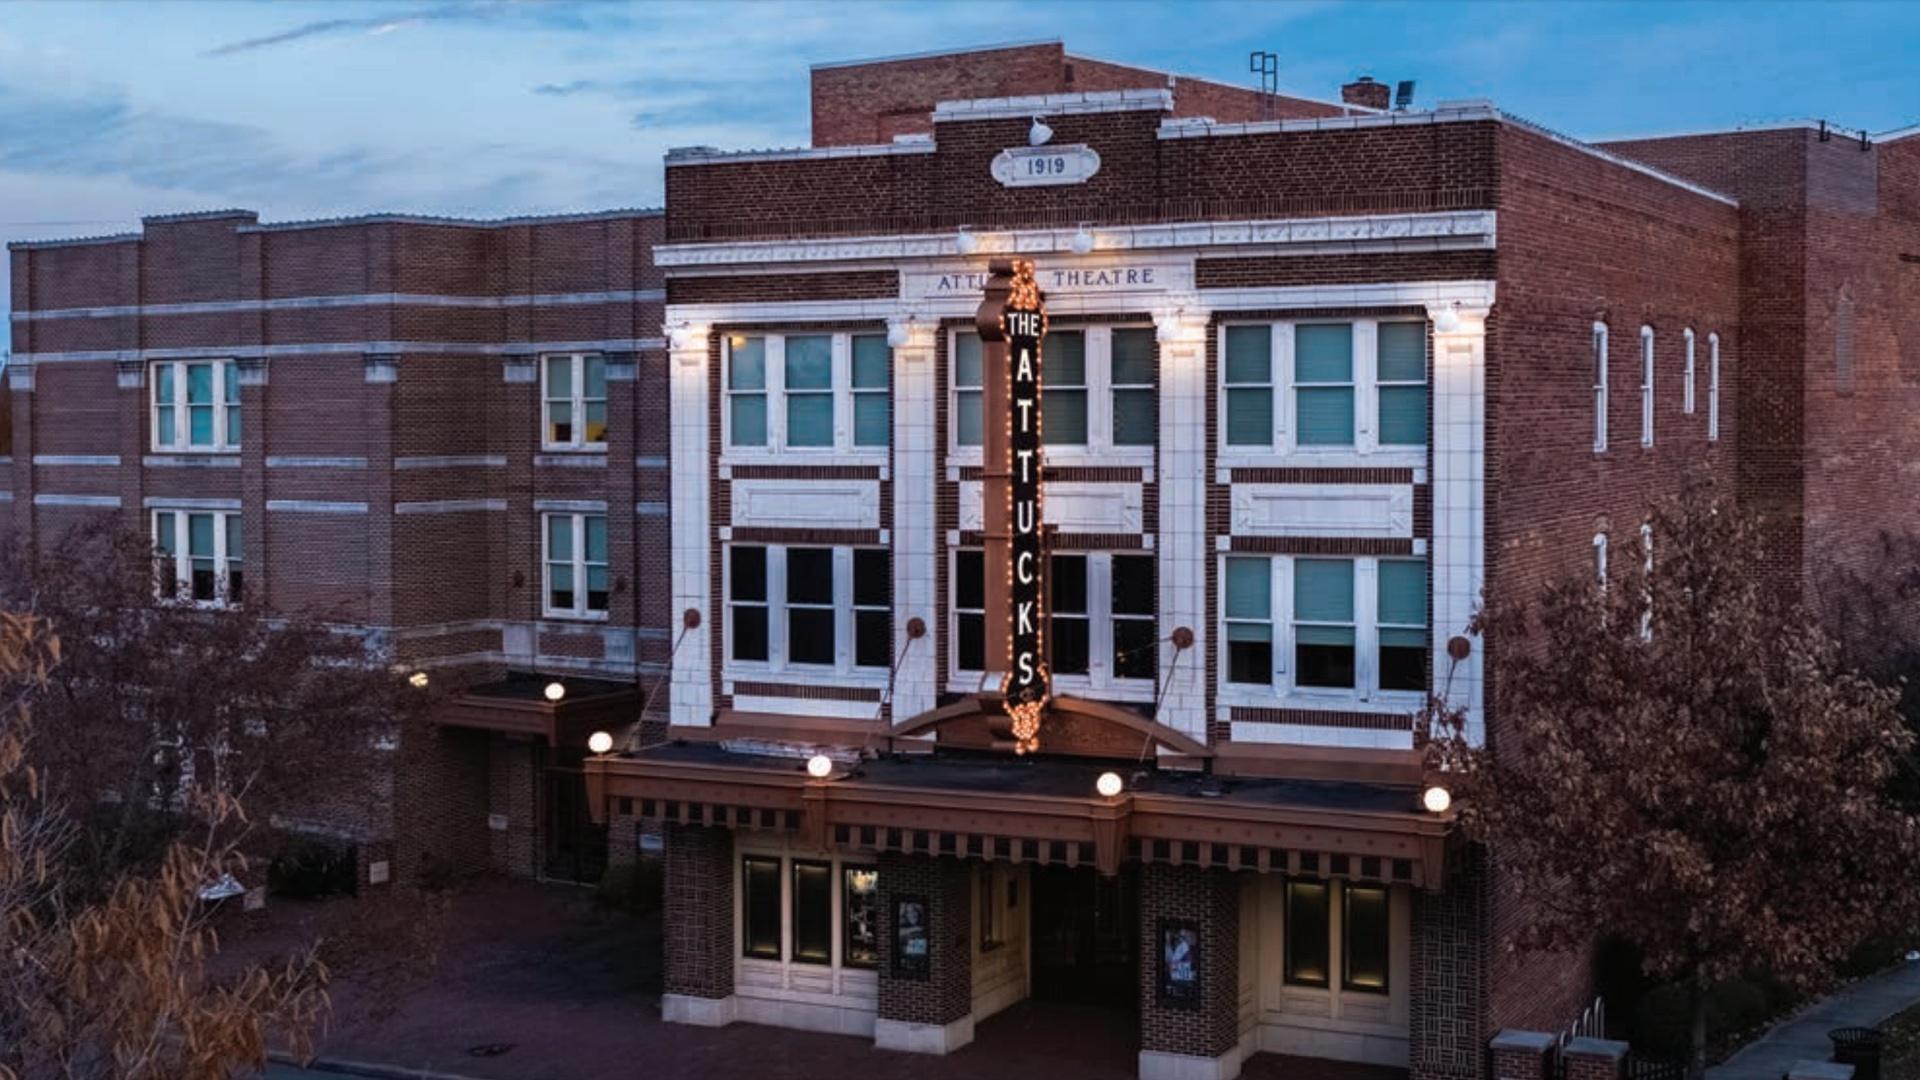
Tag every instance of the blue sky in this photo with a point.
(492, 107)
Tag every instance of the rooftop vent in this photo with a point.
(1366, 93)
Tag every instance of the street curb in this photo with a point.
(365, 1068)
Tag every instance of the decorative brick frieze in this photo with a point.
(805, 692)
(1357, 721)
(1323, 545)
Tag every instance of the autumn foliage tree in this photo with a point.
(1680, 758)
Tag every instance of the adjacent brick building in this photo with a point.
(1318, 376)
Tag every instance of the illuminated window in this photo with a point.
(1646, 386)
(1402, 624)
(812, 912)
(1249, 619)
(746, 391)
(1136, 415)
(1402, 378)
(1308, 927)
(810, 607)
(576, 565)
(760, 935)
(1063, 378)
(1323, 384)
(1599, 347)
(1323, 624)
(993, 919)
(196, 405)
(574, 390)
(872, 390)
(860, 917)
(199, 556)
(1366, 938)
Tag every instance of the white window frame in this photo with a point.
(577, 559)
(1600, 363)
(1282, 690)
(1099, 449)
(1713, 387)
(224, 370)
(1099, 676)
(1686, 396)
(223, 563)
(1366, 400)
(1600, 560)
(1646, 386)
(842, 449)
(577, 400)
(786, 857)
(843, 666)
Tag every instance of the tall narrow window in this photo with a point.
(196, 405)
(1365, 925)
(1323, 627)
(747, 602)
(1063, 375)
(1136, 649)
(969, 611)
(760, 908)
(872, 394)
(1646, 611)
(992, 919)
(1599, 344)
(1249, 611)
(1403, 383)
(1686, 390)
(872, 607)
(1136, 415)
(1600, 559)
(1071, 647)
(1323, 384)
(1249, 382)
(576, 562)
(812, 912)
(198, 556)
(236, 556)
(1308, 927)
(1403, 624)
(576, 401)
(967, 383)
(1713, 387)
(810, 636)
(809, 390)
(1646, 386)
(746, 391)
(860, 917)
(230, 380)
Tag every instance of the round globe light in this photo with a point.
(600, 742)
(819, 766)
(1448, 320)
(966, 243)
(1436, 799)
(1109, 784)
(417, 680)
(555, 691)
(1082, 242)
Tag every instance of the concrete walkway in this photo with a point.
(1803, 1037)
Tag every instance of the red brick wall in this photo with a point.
(698, 913)
(1210, 899)
(946, 994)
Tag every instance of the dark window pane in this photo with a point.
(1324, 665)
(749, 633)
(1250, 662)
(1306, 960)
(1133, 591)
(1366, 932)
(972, 643)
(860, 909)
(749, 572)
(1071, 648)
(969, 584)
(1403, 659)
(1136, 651)
(873, 639)
(810, 575)
(234, 586)
(1069, 586)
(810, 635)
(760, 908)
(812, 913)
(872, 578)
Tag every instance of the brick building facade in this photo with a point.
(1318, 376)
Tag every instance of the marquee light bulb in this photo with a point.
(555, 691)
(1436, 799)
(600, 742)
(418, 680)
(819, 766)
(1109, 784)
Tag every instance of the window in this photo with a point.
(969, 611)
(826, 607)
(1063, 378)
(967, 384)
(1069, 624)
(574, 389)
(1136, 648)
(860, 917)
(576, 561)
(808, 392)
(1101, 616)
(812, 912)
(1323, 626)
(199, 556)
(1136, 413)
(760, 907)
(1713, 387)
(1686, 389)
(1646, 612)
(1364, 925)
(872, 390)
(1402, 378)
(1403, 625)
(1249, 379)
(196, 405)
(1646, 386)
(1600, 559)
(1599, 387)
(1323, 384)
(1308, 927)
(1249, 610)
(987, 902)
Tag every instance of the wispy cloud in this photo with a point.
(370, 26)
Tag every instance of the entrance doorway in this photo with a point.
(1086, 937)
(576, 847)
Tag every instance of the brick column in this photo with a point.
(20, 394)
(513, 792)
(1197, 1037)
(698, 921)
(257, 585)
(1521, 1055)
(624, 612)
(1448, 972)
(521, 542)
(930, 1013)
(131, 377)
(382, 376)
(1595, 1059)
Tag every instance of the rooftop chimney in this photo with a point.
(1365, 92)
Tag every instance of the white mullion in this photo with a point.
(1366, 626)
(1099, 377)
(1366, 385)
(1686, 400)
(1713, 387)
(1283, 389)
(776, 607)
(840, 379)
(577, 364)
(1100, 618)
(842, 608)
(1281, 578)
(220, 407)
(182, 558)
(579, 563)
(776, 380)
(219, 526)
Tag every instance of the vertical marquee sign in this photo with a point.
(1012, 320)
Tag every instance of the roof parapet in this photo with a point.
(1016, 108)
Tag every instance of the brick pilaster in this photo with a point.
(931, 1013)
(131, 378)
(1448, 972)
(254, 525)
(698, 913)
(1177, 1034)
